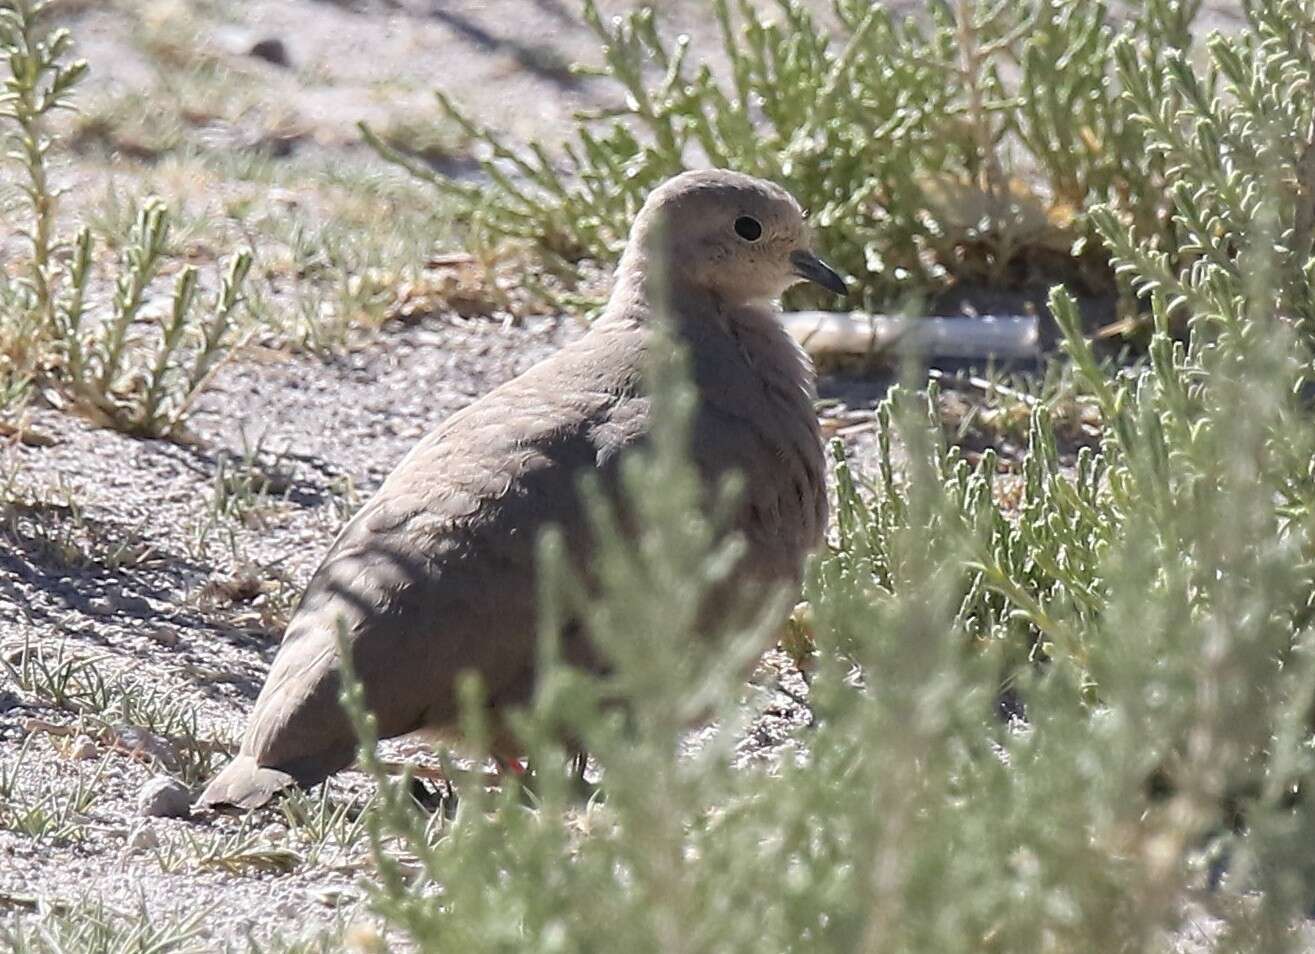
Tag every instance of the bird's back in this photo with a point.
(435, 575)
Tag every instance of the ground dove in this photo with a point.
(434, 576)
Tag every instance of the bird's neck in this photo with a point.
(718, 331)
(642, 293)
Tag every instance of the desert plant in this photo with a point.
(37, 812)
(1047, 716)
(962, 148)
(39, 83)
(107, 702)
(1238, 139)
(142, 386)
(235, 852)
(326, 827)
(94, 929)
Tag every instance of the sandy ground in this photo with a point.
(194, 612)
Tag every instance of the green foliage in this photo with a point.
(144, 386)
(39, 83)
(37, 812)
(1143, 610)
(1238, 140)
(94, 929)
(962, 148)
(109, 702)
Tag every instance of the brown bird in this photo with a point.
(434, 576)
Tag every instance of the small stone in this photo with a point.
(131, 604)
(274, 833)
(164, 797)
(82, 749)
(272, 50)
(164, 635)
(143, 838)
(333, 897)
(100, 606)
(143, 744)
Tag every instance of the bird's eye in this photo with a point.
(748, 228)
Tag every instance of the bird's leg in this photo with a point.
(584, 789)
(511, 766)
(430, 799)
(441, 797)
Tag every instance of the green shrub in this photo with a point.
(1238, 141)
(1148, 615)
(1144, 610)
(1150, 618)
(961, 149)
(145, 385)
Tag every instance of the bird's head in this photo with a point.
(738, 237)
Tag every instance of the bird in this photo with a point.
(433, 576)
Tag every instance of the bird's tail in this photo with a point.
(244, 784)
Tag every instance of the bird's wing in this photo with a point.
(435, 576)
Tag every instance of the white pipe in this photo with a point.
(857, 333)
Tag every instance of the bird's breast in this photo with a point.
(756, 418)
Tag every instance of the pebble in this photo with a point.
(116, 602)
(272, 50)
(164, 797)
(82, 749)
(164, 635)
(143, 743)
(333, 897)
(143, 838)
(132, 604)
(290, 910)
(100, 606)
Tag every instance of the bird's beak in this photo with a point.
(812, 269)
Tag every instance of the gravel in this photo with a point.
(164, 797)
(191, 612)
(332, 430)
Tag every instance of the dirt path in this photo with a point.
(198, 620)
(174, 565)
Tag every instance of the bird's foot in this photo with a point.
(440, 797)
